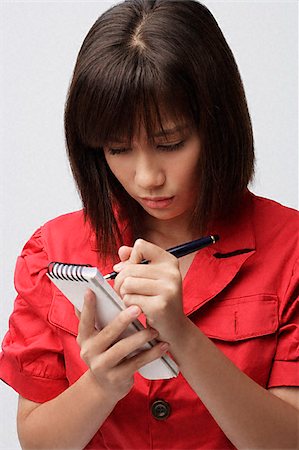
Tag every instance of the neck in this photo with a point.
(169, 233)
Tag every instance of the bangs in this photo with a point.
(117, 101)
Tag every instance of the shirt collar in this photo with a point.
(215, 267)
(236, 231)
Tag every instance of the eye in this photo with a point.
(117, 150)
(171, 147)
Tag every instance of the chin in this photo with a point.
(163, 215)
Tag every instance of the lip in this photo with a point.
(157, 202)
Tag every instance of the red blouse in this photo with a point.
(242, 293)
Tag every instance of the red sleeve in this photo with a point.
(285, 369)
(32, 360)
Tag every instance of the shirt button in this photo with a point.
(160, 409)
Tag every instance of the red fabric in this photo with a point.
(242, 293)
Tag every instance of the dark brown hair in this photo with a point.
(142, 56)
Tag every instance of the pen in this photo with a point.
(180, 250)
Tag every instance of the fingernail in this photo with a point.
(164, 347)
(154, 332)
(134, 311)
(117, 267)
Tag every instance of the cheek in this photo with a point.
(124, 175)
(194, 164)
(118, 168)
(189, 170)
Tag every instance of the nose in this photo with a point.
(148, 172)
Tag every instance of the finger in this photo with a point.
(146, 250)
(77, 312)
(148, 304)
(148, 273)
(126, 368)
(123, 348)
(124, 252)
(141, 286)
(145, 271)
(88, 315)
(153, 286)
(137, 254)
(131, 365)
(110, 334)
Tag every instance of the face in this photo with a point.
(162, 175)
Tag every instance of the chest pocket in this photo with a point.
(236, 319)
(62, 314)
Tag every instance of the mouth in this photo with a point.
(156, 202)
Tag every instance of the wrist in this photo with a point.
(181, 332)
(186, 333)
(100, 393)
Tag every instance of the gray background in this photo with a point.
(39, 44)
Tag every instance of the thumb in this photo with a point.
(124, 252)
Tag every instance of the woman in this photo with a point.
(160, 143)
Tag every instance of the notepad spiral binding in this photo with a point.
(64, 271)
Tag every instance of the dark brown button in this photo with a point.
(160, 409)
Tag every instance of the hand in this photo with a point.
(105, 357)
(155, 287)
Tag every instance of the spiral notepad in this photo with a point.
(73, 280)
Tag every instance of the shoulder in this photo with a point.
(265, 206)
(65, 222)
(66, 238)
(271, 217)
(275, 228)
(67, 235)
(61, 237)
(64, 228)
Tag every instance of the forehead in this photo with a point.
(168, 128)
(148, 118)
